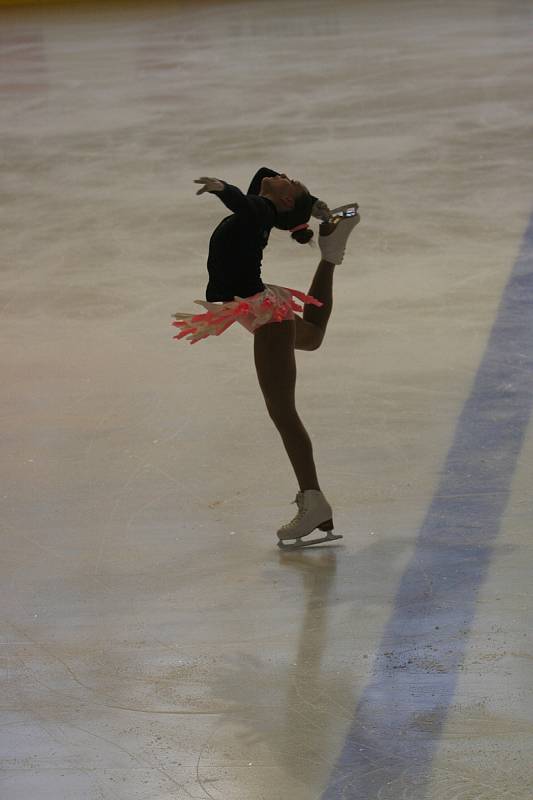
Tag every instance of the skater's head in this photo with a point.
(293, 203)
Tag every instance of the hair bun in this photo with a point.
(302, 236)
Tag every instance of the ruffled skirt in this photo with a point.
(274, 304)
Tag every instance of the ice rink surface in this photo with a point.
(155, 643)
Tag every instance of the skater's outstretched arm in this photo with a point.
(256, 209)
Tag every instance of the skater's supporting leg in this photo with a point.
(276, 371)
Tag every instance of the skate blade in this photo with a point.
(299, 543)
(337, 213)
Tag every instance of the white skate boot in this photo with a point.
(333, 243)
(314, 511)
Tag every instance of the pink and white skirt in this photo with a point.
(274, 304)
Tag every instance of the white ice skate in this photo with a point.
(314, 511)
(333, 244)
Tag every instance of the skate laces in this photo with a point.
(297, 518)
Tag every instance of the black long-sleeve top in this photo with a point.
(237, 243)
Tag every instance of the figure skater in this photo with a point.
(236, 293)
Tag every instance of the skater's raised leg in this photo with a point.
(311, 329)
(276, 370)
(322, 289)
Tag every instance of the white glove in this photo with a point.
(321, 211)
(211, 185)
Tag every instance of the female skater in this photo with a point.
(235, 292)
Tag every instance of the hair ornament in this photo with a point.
(302, 227)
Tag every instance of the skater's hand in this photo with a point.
(211, 185)
(321, 211)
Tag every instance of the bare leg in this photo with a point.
(276, 371)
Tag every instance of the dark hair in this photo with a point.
(297, 216)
